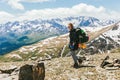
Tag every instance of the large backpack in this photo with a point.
(83, 37)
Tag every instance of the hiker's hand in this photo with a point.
(71, 46)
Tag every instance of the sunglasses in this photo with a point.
(69, 27)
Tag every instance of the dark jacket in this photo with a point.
(74, 40)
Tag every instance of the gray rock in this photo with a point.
(8, 71)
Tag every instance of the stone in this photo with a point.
(104, 62)
(26, 72)
(4, 76)
(39, 72)
(117, 65)
(117, 61)
(8, 71)
(109, 63)
(7, 78)
(32, 72)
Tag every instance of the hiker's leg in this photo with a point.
(74, 56)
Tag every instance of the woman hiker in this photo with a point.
(73, 45)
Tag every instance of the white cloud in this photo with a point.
(35, 0)
(77, 10)
(4, 16)
(16, 4)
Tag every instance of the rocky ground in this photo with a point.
(61, 69)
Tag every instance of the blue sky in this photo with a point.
(13, 8)
(110, 4)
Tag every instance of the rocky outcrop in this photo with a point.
(102, 44)
(107, 63)
(32, 72)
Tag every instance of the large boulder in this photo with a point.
(32, 72)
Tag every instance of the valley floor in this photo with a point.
(61, 69)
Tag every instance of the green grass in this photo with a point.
(25, 57)
(6, 59)
(66, 51)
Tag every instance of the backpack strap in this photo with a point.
(80, 32)
(82, 35)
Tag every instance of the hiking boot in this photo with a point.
(76, 65)
(80, 61)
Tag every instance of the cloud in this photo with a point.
(35, 0)
(4, 16)
(16, 4)
(77, 10)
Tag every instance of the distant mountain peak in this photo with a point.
(39, 29)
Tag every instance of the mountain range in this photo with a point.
(101, 41)
(14, 35)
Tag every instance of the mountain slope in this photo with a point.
(104, 40)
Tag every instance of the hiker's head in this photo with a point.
(70, 26)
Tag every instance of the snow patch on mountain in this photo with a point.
(13, 35)
(105, 42)
(114, 33)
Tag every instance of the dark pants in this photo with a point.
(75, 58)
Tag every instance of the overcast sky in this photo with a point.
(33, 9)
